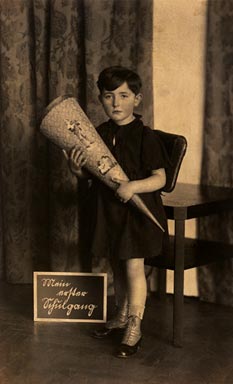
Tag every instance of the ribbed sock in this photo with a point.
(136, 310)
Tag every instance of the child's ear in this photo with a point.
(138, 99)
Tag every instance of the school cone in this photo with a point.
(66, 125)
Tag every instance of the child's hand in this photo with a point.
(76, 160)
(125, 191)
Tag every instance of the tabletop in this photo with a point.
(194, 200)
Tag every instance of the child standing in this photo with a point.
(122, 233)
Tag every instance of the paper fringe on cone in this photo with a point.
(66, 125)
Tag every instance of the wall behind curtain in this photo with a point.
(189, 56)
(179, 76)
(49, 48)
(216, 281)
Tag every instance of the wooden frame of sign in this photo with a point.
(70, 297)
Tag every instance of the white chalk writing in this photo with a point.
(55, 283)
(51, 304)
(65, 300)
(72, 292)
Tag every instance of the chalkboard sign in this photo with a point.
(68, 296)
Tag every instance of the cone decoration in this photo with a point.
(66, 125)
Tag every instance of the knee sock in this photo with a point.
(136, 310)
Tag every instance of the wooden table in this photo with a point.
(186, 202)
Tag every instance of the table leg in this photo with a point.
(178, 302)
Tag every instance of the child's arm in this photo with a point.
(76, 161)
(127, 189)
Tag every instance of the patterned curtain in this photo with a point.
(49, 48)
(216, 281)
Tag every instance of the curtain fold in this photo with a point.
(216, 281)
(49, 48)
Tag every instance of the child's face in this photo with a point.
(119, 104)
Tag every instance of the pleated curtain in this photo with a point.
(50, 48)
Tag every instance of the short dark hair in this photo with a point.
(113, 77)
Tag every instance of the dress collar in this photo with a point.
(125, 127)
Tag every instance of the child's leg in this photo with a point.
(121, 300)
(136, 286)
(120, 318)
(120, 283)
(137, 292)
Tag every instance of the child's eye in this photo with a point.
(107, 97)
(124, 96)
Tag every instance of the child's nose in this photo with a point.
(116, 101)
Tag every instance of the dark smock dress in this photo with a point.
(121, 231)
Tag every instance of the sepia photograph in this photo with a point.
(116, 191)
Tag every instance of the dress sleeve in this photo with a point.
(154, 154)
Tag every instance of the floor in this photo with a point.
(64, 353)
